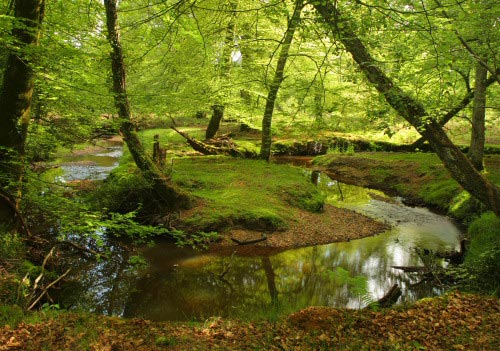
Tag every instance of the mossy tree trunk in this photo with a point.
(16, 97)
(412, 110)
(476, 150)
(214, 124)
(168, 194)
(265, 149)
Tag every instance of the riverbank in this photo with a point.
(451, 322)
(332, 225)
(420, 178)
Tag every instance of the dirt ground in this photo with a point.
(332, 225)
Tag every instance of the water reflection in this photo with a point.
(183, 284)
(91, 166)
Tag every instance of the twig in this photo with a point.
(45, 290)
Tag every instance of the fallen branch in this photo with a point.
(83, 249)
(19, 216)
(390, 297)
(45, 290)
(248, 242)
(206, 149)
(411, 269)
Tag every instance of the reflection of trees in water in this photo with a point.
(271, 279)
(101, 286)
(188, 285)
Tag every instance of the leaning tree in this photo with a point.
(412, 110)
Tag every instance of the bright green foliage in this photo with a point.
(483, 256)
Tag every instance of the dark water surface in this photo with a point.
(184, 284)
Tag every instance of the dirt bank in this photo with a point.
(332, 225)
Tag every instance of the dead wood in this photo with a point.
(249, 242)
(84, 250)
(46, 289)
(207, 149)
(11, 203)
(390, 297)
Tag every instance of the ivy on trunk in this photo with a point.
(16, 96)
(169, 195)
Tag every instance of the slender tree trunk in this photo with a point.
(167, 193)
(476, 150)
(225, 69)
(265, 149)
(16, 96)
(455, 110)
(412, 110)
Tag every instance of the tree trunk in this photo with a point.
(413, 111)
(168, 194)
(476, 150)
(224, 71)
(16, 95)
(265, 149)
(453, 112)
(214, 124)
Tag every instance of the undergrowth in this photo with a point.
(483, 256)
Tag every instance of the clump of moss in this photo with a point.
(244, 193)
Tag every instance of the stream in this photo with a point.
(171, 283)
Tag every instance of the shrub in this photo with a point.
(483, 258)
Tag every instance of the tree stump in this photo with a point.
(159, 153)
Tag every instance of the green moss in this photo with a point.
(440, 192)
(249, 193)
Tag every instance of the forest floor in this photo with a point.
(451, 322)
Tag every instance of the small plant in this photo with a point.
(199, 240)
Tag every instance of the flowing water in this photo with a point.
(171, 283)
(95, 166)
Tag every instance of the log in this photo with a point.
(206, 149)
(248, 242)
(390, 297)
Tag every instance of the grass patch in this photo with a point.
(249, 193)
